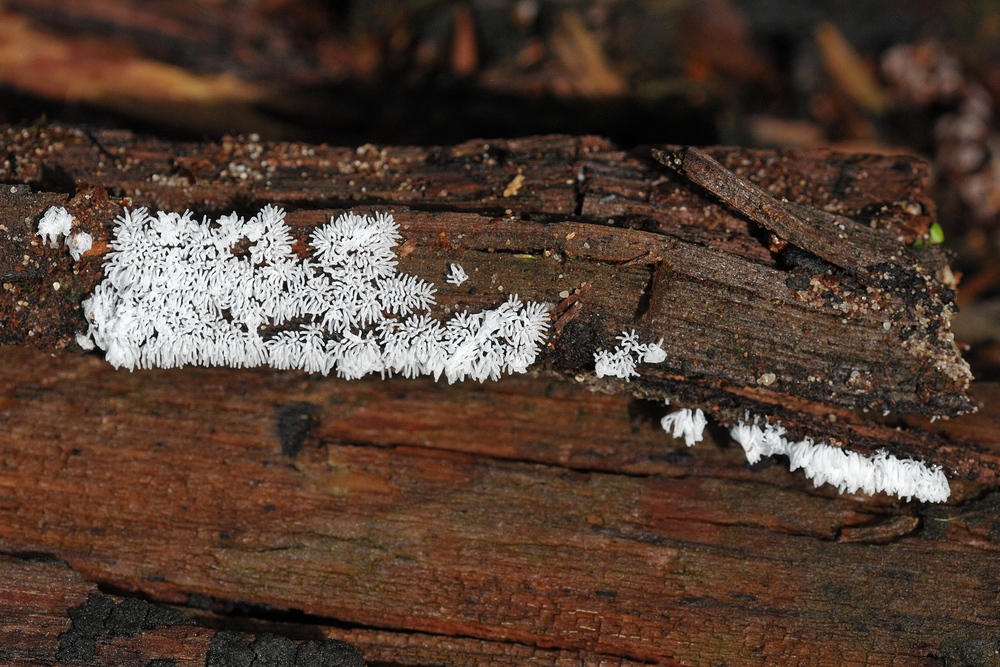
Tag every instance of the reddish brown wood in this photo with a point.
(529, 520)
(53, 617)
(173, 483)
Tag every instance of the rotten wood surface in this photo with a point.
(611, 240)
(811, 229)
(52, 616)
(544, 519)
(505, 524)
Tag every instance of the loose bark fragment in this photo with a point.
(835, 238)
(881, 273)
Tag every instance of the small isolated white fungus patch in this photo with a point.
(686, 423)
(842, 468)
(78, 244)
(84, 342)
(232, 293)
(457, 276)
(654, 354)
(621, 361)
(55, 222)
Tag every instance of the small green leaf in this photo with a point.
(936, 233)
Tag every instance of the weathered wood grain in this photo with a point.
(836, 239)
(530, 521)
(394, 518)
(729, 311)
(722, 331)
(563, 175)
(52, 617)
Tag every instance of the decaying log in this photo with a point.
(544, 519)
(520, 522)
(612, 241)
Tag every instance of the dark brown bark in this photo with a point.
(834, 238)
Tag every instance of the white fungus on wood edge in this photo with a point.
(844, 469)
(686, 423)
(176, 292)
(56, 222)
(621, 361)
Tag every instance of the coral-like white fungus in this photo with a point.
(457, 276)
(232, 293)
(847, 470)
(621, 361)
(84, 341)
(78, 244)
(55, 222)
(686, 423)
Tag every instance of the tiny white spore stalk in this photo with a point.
(686, 423)
(621, 361)
(457, 275)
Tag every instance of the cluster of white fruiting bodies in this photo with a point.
(685, 423)
(57, 222)
(178, 291)
(457, 275)
(621, 361)
(842, 468)
(847, 470)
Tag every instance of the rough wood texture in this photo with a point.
(532, 217)
(583, 180)
(821, 233)
(509, 523)
(52, 617)
(530, 521)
